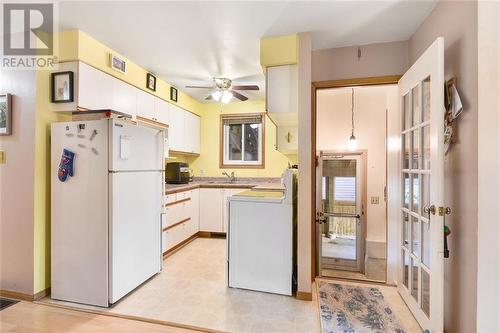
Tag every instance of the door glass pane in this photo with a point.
(415, 234)
(406, 192)
(425, 292)
(426, 150)
(406, 150)
(339, 198)
(426, 193)
(406, 269)
(415, 151)
(407, 112)
(416, 193)
(426, 239)
(416, 105)
(426, 92)
(234, 145)
(414, 279)
(251, 142)
(406, 231)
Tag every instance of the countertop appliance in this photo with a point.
(177, 173)
(106, 213)
(261, 237)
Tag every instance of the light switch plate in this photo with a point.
(375, 200)
(2, 156)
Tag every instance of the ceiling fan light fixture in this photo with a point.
(226, 96)
(216, 95)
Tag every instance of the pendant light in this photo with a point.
(352, 143)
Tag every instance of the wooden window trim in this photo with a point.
(223, 117)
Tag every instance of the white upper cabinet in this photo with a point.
(145, 105)
(161, 111)
(91, 85)
(176, 129)
(124, 98)
(282, 94)
(192, 132)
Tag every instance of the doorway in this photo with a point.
(365, 111)
(342, 230)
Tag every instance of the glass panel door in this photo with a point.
(422, 166)
(341, 234)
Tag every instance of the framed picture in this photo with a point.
(5, 114)
(117, 63)
(173, 94)
(151, 82)
(61, 84)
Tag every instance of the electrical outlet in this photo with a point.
(375, 200)
(2, 157)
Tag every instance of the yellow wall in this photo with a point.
(278, 51)
(208, 161)
(96, 54)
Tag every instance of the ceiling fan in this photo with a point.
(224, 90)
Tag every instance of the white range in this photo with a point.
(261, 233)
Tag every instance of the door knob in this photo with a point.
(430, 210)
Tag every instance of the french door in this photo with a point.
(340, 229)
(420, 281)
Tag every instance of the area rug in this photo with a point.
(354, 309)
(5, 303)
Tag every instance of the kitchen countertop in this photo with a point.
(219, 182)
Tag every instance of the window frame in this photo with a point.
(222, 140)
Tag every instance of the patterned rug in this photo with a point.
(354, 309)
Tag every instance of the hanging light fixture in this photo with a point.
(216, 95)
(353, 142)
(226, 96)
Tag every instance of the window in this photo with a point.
(345, 189)
(242, 140)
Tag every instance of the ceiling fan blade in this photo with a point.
(245, 87)
(209, 98)
(200, 87)
(239, 96)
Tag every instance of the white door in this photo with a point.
(420, 281)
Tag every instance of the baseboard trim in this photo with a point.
(23, 296)
(41, 294)
(209, 234)
(179, 246)
(304, 296)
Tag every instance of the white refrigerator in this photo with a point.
(106, 214)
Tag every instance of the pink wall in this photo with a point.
(456, 21)
(376, 60)
(17, 185)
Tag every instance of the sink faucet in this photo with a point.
(231, 176)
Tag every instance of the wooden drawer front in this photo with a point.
(174, 236)
(183, 195)
(169, 198)
(164, 242)
(177, 212)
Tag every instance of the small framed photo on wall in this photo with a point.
(151, 82)
(173, 94)
(5, 114)
(117, 63)
(61, 84)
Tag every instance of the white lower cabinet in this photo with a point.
(188, 212)
(211, 217)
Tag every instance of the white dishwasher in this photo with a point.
(260, 239)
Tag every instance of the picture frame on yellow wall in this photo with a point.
(117, 63)
(173, 94)
(151, 82)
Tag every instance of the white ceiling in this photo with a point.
(189, 42)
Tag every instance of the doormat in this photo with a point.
(354, 309)
(5, 303)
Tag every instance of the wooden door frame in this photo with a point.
(315, 86)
